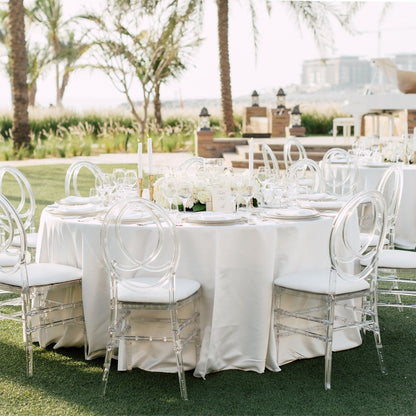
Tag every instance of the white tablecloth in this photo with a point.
(235, 265)
(406, 221)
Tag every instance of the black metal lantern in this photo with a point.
(204, 123)
(281, 98)
(255, 99)
(295, 117)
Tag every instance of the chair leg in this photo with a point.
(177, 346)
(107, 360)
(377, 336)
(197, 332)
(328, 343)
(27, 331)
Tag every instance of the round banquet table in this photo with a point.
(369, 176)
(236, 266)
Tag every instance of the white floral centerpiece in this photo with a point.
(202, 185)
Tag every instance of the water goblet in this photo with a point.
(184, 190)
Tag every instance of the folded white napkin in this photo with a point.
(78, 200)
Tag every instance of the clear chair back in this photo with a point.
(293, 146)
(23, 199)
(270, 161)
(71, 177)
(307, 175)
(391, 186)
(340, 172)
(127, 255)
(346, 249)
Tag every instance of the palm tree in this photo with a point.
(21, 127)
(49, 14)
(225, 78)
(315, 15)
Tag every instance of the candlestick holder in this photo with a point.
(151, 179)
(140, 187)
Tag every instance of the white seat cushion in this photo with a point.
(132, 290)
(8, 260)
(399, 259)
(317, 281)
(31, 240)
(364, 237)
(40, 274)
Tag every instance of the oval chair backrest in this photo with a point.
(194, 163)
(127, 254)
(339, 172)
(346, 248)
(12, 257)
(391, 187)
(26, 203)
(72, 175)
(291, 144)
(269, 158)
(307, 173)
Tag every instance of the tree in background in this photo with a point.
(142, 44)
(66, 48)
(38, 56)
(21, 127)
(317, 16)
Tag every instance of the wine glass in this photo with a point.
(168, 190)
(130, 179)
(184, 190)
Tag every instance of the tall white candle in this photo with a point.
(250, 158)
(140, 160)
(149, 154)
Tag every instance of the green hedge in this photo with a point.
(315, 123)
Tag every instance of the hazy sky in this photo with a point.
(282, 49)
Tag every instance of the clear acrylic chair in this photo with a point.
(307, 174)
(331, 291)
(192, 165)
(293, 146)
(15, 186)
(340, 172)
(32, 282)
(71, 177)
(270, 161)
(390, 186)
(142, 274)
(396, 268)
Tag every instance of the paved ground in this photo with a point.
(159, 160)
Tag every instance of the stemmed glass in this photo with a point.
(247, 193)
(130, 179)
(168, 189)
(184, 191)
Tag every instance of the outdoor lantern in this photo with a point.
(255, 99)
(295, 117)
(204, 119)
(281, 98)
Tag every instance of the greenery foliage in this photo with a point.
(70, 134)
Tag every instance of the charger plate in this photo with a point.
(291, 213)
(213, 218)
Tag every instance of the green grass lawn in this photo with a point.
(65, 384)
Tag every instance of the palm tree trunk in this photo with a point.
(157, 106)
(33, 89)
(21, 127)
(61, 91)
(226, 97)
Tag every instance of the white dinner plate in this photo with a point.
(315, 197)
(135, 217)
(323, 205)
(86, 210)
(213, 218)
(376, 165)
(78, 200)
(291, 213)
